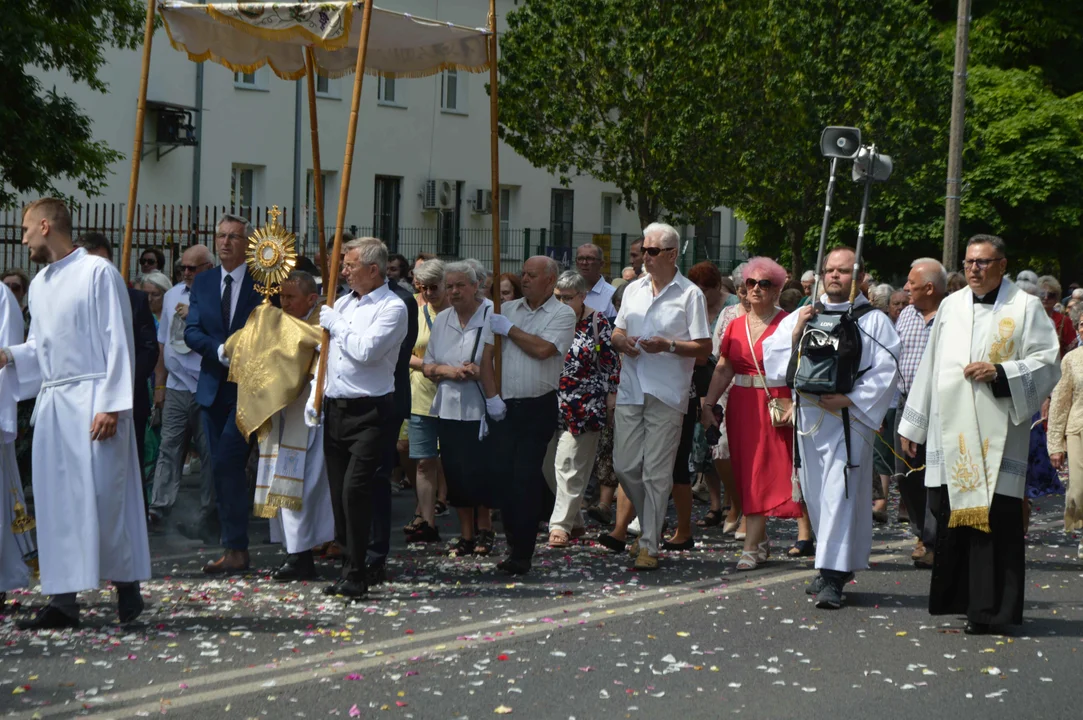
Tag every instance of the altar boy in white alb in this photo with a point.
(13, 570)
(87, 485)
(990, 362)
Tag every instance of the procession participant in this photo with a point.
(836, 431)
(661, 331)
(992, 359)
(367, 327)
(87, 487)
(14, 572)
(588, 262)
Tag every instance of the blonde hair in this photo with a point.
(54, 210)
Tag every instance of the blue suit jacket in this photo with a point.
(205, 331)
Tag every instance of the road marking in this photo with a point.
(428, 644)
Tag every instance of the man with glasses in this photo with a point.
(176, 380)
(661, 331)
(588, 262)
(990, 361)
(219, 305)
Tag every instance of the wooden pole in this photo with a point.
(494, 152)
(344, 193)
(953, 196)
(137, 145)
(317, 172)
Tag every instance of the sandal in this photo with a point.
(713, 518)
(483, 544)
(461, 547)
(747, 561)
(558, 538)
(441, 508)
(414, 525)
(763, 551)
(802, 548)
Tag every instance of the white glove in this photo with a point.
(483, 429)
(500, 324)
(222, 357)
(496, 408)
(332, 320)
(312, 418)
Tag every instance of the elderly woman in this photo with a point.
(587, 396)
(459, 359)
(1049, 293)
(155, 285)
(762, 454)
(1065, 437)
(423, 424)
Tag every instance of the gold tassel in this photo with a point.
(267, 511)
(795, 488)
(287, 502)
(977, 518)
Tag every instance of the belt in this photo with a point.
(749, 381)
(62, 381)
(550, 396)
(358, 402)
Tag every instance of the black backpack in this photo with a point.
(828, 356)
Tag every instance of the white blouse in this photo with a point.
(451, 344)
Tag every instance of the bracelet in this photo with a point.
(159, 387)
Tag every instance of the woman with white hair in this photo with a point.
(1049, 293)
(155, 285)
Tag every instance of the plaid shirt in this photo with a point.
(914, 332)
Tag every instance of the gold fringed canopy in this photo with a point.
(246, 36)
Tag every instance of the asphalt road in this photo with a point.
(581, 637)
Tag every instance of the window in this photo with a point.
(240, 78)
(708, 238)
(385, 213)
(505, 211)
(323, 84)
(609, 204)
(447, 229)
(251, 81)
(561, 208)
(385, 92)
(452, 92)
(242, 190)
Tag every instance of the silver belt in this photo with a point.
(749, 381)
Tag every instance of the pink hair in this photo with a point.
(767, 268)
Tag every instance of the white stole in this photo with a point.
(280, 474)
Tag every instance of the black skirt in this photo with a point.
(979, 574)
(467, 463)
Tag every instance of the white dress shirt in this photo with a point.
(522, 375)
(450, 344)
(237, 274)
(361, 359)
(182, 368)
(600, 298)
(678, 312)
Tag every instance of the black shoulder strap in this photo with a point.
(428, 320)
(477, 338)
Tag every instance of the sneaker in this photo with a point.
(817, 584)
(830, 595)
(634, 529)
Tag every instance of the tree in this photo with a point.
(45, 134)
(628, 91)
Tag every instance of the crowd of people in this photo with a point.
(632, 393)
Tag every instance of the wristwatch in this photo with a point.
(673, 346)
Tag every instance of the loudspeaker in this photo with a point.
(868, 159)
(840, 142)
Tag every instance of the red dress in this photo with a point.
(761, 455)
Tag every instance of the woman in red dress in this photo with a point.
(761, 454)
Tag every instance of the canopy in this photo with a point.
(245, 36)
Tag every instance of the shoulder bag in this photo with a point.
(776, 407)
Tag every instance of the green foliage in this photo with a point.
(45, 134)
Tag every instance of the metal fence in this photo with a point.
(173, 228)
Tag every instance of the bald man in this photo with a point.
(175, 380)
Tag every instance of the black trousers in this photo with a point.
(380, 540)
(979, 574)
(523, 438)
(354, 439)
(912, 489)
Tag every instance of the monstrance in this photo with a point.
(272, 256)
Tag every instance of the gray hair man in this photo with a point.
(175, 380)
(661, 331)
(588, 261)
(539, 329)
(367, 328)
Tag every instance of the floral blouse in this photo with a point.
(591, 371)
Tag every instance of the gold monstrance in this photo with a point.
(272, 255)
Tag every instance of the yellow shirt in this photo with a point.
(422, 390)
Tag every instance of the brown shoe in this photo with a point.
(925, 562)
(334, 552)
(919, 551)
(645, 561)
(232, 561)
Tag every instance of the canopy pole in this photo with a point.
(494, 151)
(137, 144)
(317, 171)
(344, 193)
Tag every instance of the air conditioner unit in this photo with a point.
(428, 195)
(438, 195)
(483, 201)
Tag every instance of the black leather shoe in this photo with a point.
(130, 604)
(513, 566)
(49, 618)
(347, 588)
(331, 589)
(298, 566)
(689, 544)
(375, 575)
(977, 628)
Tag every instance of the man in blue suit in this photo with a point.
(221, 301)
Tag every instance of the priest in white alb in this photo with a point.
(990, 362)
(79, 361)
(16, 541)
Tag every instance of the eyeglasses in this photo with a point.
(587, 259)
(192, 268)
(655, 251)
(350, 267)
(565, 297)
(980, 263)
(429, 288)
(763, 284)
(148, 261)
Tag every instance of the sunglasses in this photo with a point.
(655, 251)
(764, 284)
(148, 261)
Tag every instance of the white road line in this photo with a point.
(440, 641)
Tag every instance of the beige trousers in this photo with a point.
(573, 461)
(1073, 497)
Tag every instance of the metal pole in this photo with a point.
(137, 144)
(494, 153)
(861, 226)
(823, 232)
(317, 170)
(344, 194)
(955, 147)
